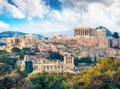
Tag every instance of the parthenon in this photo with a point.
(88, 32)
(82, 31)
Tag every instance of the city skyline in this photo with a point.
(44, 16)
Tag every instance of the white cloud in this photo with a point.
(15, 12)
(66, 16)
(23, 8)
(43, 27)
(4, 26)
(32, 8)
(10, 10)
(97, 13)
(74, 13)
(83, 3)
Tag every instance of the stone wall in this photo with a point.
(114, 43)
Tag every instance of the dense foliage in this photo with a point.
(49, 81)
(105, 75)
(7, 63)
(85, 61)
(26, 51)
(16, 51)
(20, 52)
(115, 35)
(10, 74)
(55, 56)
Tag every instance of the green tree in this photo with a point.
(86, 60)
(10, 74)
(116, 64)
(104, 64)
(55, 55)
(116, 77)
(16, 51)
(49, 81)
(26, 51)
(7, 63)
(101, 76)
(115, 35)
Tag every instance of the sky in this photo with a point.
(44, 16)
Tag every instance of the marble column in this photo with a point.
(76, 32)
(85, 32)
(81, 33)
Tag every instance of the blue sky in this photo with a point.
(44, 16)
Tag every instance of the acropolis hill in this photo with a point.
(86, 43)
(84, 37)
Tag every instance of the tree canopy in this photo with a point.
(10, 74)
(16, 51)
(115, 35)
(104, 75)
(49, 81)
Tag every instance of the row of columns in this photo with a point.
(82, 32)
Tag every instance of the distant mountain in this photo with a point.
(7, 34)
(38, 35)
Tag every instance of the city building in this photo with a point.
(41, 65)
(68, 62)
(55, 66)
